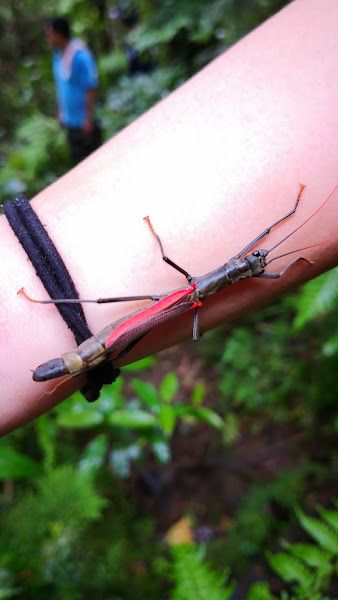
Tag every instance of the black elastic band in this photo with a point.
(56, 279)
(47, 263)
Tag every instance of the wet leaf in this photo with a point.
(133, 419)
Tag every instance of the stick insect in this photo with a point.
(117, 339)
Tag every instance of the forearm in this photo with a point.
(213, 165)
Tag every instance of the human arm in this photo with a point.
(87, 73)
(213, 165)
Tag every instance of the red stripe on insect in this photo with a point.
(150, 311)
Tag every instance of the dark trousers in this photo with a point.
(82, 144)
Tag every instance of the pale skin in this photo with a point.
(213, 165)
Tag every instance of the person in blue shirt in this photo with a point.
(76, 82)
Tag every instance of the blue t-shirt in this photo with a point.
(72, 86)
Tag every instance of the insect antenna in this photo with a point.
(300, 226)
(299, 249)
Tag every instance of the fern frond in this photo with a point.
(194, 579)
(330, 516)
(327, 538)
(65, 500)
(260, 591)
(310, 554)
(290, 569)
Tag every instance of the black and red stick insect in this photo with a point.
(117, 339)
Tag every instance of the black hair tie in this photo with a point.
(56, 279)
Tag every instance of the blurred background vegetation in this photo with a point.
(184, 478)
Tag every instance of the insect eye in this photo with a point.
(256, 253)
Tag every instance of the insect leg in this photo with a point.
(80, 300)
(165, 258)
(195, 332)
(267, 231)
(276, 275)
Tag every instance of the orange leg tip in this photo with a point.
(147, 220)
(23, 293)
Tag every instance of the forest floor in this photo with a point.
(209, 480)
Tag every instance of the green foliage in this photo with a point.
(151, 409)
(259, 368)
(260, 591)
(255, 524)
(64, 500)
(310, 567)
(138, 422)
(39, 155)
(196, 31)
(177, 37)
(25, 70)
(48, 539)
(14, 465)
(267, 365)
(247, 381)
(131, 97)
(194, 579)
(112, 65)
(94, 454)
(327, 538)
(318, 296)
(55, 543)
(291, 569)
(45, 525)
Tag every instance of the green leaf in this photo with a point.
(161, 451)
(6, 593)
(290, 569)
(74, 404)
(260, 591)
(46, 430)
(331, 516)
(310, 554)
(318, 296)
(64, 499)
(132, 419)
(167, 418)
(230, 428)
(14, 465)
(146, 392)
(330, 347)
(122, 458)
(111, 397)
(144, 37)
(112, 63)
(203, 414)
(94, 454)
(198, 394)
(169, 387)
(319, 531)
(81, 420)
(194, 579)
(140, 365)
